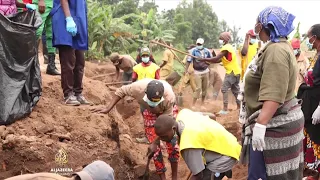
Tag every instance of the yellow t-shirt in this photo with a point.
(233, 65)
(201, 132)
(145, 71)
(245, 60)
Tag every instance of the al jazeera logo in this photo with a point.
(61, 159)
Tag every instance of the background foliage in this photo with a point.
(124, 25)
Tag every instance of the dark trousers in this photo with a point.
(257, 167)
(72, 69)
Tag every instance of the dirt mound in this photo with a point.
(32, 144)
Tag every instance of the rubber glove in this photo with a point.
(259, 132)
(31, 6)
(316, 116)
(71, 26)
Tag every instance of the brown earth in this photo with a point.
(30, 144)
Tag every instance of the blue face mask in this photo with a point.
(145, 59)
(200, 47)
(151, 103)
(252, 41)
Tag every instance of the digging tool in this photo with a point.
(146, 174)
(115, 83)
(155, 42)
(179, 96)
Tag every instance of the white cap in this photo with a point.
(200, 41)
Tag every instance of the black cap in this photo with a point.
(155, 90)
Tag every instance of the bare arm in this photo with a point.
(117, 72)
(113, 102)
(163, 64)
(269, 108)
(20, 5)
(65, 7)
(216, 59)
(244, 50)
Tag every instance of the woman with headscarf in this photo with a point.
(228, 57)
(273, 128)
(309, 92)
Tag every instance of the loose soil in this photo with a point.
(30, 144)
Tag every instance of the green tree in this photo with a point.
(204, 22)
(148, 5)
(224, 26)
(235, 34)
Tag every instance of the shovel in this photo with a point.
(179, 95)
(146, 174)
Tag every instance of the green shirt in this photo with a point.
(272, 77)
(48, 3)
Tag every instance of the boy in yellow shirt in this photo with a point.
(145, 69)
(208, 149)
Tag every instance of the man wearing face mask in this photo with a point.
(145, 69)
(155, 98)
(201, 70)
(249, 50)
(208, 149)
(229, 60)
(302, 62)
(309, 92)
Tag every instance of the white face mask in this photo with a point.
(221, 42)
(252, 41)
(310, 45)
(256, 33)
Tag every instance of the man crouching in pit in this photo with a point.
(155, 98)
(208, 149)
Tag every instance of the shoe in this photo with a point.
(51, 68)
(223, 112)
(142, 140)
(82, 99)
(72, 101)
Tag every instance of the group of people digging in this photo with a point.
(274, 119)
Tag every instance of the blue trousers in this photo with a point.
(257, 166)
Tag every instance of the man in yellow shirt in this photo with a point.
(229, 60)
(248, 51)
(145, 69)
(166, 67)
(205, 145)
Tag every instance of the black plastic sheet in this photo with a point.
(20, 77)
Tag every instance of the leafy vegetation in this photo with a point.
(124, 25)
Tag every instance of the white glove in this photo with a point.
(258, 135)
(316, 116)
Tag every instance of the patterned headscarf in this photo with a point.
(281, 20)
